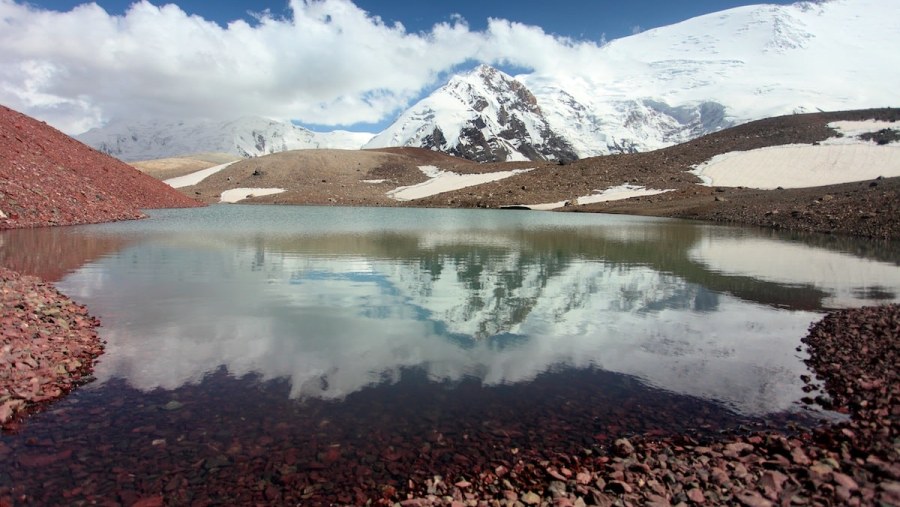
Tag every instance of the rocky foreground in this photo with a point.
(854, 354)
(47, 178)
(47, 344)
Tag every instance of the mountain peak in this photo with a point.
(487, 72)
(483, 115)
(482, 75)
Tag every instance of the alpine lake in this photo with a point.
(338, 351)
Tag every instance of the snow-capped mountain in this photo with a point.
(639, 93)
(675, 83)
(247, 137)
(483, 115)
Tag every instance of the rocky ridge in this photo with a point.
(48, 178)
(866, 209)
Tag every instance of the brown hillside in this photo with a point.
(165, 168)
(48, 178)
(867, 209)
(330, 177)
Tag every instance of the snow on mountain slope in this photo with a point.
(483, 115)
(674, 83)
(670, 84)
(654, 89)
(247, 137)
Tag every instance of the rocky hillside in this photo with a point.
(863, 207)
(48, 178)
(866, 208)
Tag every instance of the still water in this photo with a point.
(337, 342)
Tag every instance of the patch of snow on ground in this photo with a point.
(445, 181)
(799, 166)
(239, 194)
(547, 206)
(431, 171)
(851, 130)
(195, 177)
(625, 191)
(374, 182)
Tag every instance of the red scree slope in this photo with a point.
(48, 178)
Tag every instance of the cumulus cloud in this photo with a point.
(328, 62)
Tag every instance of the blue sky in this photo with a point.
(582, 19)
(322, 63)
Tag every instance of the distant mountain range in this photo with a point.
(247, 137)
(647, 91)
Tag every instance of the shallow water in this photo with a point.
(337, 348)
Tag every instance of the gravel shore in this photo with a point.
(853, 353)
(47, 345)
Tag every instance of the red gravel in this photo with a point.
(47, 344)
(48, 178)
(857, 462)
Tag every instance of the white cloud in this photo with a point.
(329, 62)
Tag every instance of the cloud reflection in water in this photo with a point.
(335, 313)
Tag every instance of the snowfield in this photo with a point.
(625, 191)
(851, 130)
(654, 89)
(239, 194)
(837, 160)
(195, 177)
(249, 136)
(444, 181)
(674, 83)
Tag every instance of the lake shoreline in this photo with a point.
(851, 462)
(48, 345)
(853, 354)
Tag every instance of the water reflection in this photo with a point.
(335, 300)
(848, 280)
(52, 252)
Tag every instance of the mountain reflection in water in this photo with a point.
(338, 299)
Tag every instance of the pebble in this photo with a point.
(39, 369)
